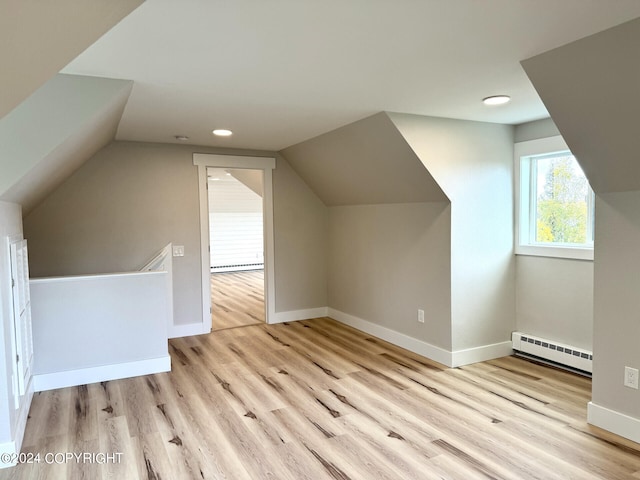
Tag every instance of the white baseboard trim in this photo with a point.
(614, 422)
(187, 330)
(293, 315)
(440, 355)
(190, 329)
(13, 447)
(482, 353)
(24, 415)
(103, 373)
(400, 339)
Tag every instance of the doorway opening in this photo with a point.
(265, 166)
(236, 242)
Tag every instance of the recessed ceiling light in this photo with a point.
(222, 132)
(496, 100)
(182, 138)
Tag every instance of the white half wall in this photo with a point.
(88, 327)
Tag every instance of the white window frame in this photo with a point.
(523, 151)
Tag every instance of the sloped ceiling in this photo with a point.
(40, 38)
(591, 87)
(280, 72)
(363, 163)
(453, 150)
(252, 179)
(49, 135)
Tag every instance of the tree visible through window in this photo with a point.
(554, 202)
(562, 200)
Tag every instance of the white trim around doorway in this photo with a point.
(266, 164)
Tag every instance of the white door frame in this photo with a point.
(266, 164)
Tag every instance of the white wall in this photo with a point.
(300, 222)
(131, 199)
(473, 164)
(554, 299)
(379, 162)
(543, 128)
(115, 212)
(602, 131)
(617, 303)
(554, 296)
(388, 261)
(10, 225)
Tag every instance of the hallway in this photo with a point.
(237, 299)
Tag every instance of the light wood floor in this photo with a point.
(237, 299)
(317, 400)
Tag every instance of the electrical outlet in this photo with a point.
(178, 250)
(420, 316)
(631, 377)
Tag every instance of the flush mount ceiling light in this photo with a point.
(222, 132)
(496, 100)
(181, 138)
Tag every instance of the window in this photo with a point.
(556, 203)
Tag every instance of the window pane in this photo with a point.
(561, 200)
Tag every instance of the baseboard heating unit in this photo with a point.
(237, 268)
(553, 353)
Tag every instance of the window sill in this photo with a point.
(575, 253)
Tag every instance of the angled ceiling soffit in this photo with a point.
(458, 153)
(52, 133)
(366, 162)
(590, 88)
(38, 39)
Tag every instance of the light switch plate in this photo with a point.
(178, 250)
(631, 377)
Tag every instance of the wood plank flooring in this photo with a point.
(237, 299)
(318, 400)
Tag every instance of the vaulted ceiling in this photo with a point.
(281, 72)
